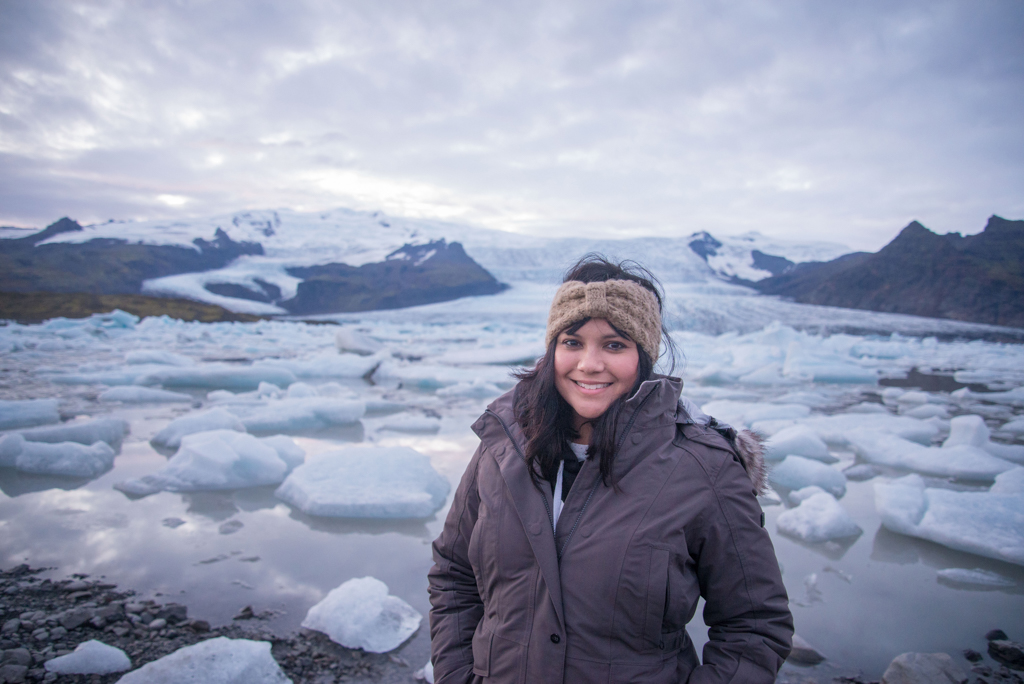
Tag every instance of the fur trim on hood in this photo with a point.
(748, 445)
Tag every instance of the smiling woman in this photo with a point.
(598, 509)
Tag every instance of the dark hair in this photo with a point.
(545, 417)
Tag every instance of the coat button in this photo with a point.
(555, 638)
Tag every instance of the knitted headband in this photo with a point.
(628, 306)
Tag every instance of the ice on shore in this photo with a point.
(219, 459)
(90, 657)
(68, 459)
(797, 440)
(818, 518)
(218, 376)
(361, 614)
(367, 482)
(141, 395)
(214, 661)
(960, 461)
(972, 431)
(28, 413)
(797, 472)
(109, 430)
(988, 524)
(213, 419)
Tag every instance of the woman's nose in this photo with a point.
(591, 361)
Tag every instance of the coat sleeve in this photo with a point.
(750, 627)
(455, 602)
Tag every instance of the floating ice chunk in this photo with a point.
(769, 497)
(796, 472)
(914, 397)
(1015, 426)
(367, 482)
(219, 375)
(476, 389)
(972, 430)
(861, 472)
(90, 657)
(299, 415)
(976, 577)
(743, 413)
(361, 614)
(141, 395)
(800, 495)
(157, 356)
(214, 419)
(288, 451)
(797, 440)
(503, 354)
(426, 672)
(28, 413)
(109, 430)
(218, 459)
(405, 422)
(300, 390)
(214, 661)
(960, 461)
(434, 376)
(1010, 482)
(69, 459)
(925, 411)
(326, 366)
(10, 447)
(349, 340)
(818, 518)
(812, 399)
(984, 523)
(837, 429)
(866, 407)
(1014, 397)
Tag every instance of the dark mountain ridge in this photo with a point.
(977, 278)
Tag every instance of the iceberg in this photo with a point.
(798, 440)
(475, 389)
(214, 661)
(68, 459)
(1015, 426)
(214, 419)
(838, 429)
(361, 614)
(960, 461)
(976, 577)
(28, 413)
(989, 524)
(158, 357)
(325, 366)
(818, 518)
(141, 395)
(109, 430)
(90, 657)
(972, 431)
(797, 472)
(219, 376)
(434, 376)
(367, 482)
(349, 340)
(745, 413)
(301, 414)
(404, 422)
(219, 459)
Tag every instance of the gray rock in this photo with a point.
(74, 618)
(1008, 653)
(924, 668)
(158, 623)
(58, 633)
(803, 653)
(996, 635)
(17, 656)
(11, 626)
(13, 674)
(173, 612)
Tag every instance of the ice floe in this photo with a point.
(961, 461)
(109, 430)
(405, 422)
(367, 482)
(356, 342)
(214, 661)
(972, 431)
(28, 413)
(213, 419)
(797, 472)
(976, 577)
(302, 414)
(219, 376)
(219, 459)
(818, 518)
(361, 614)
(158, 357)
(988, 524)
(90, 657)
(141, 395)
(837, 429)
(429, 376)
(797, 440)
(475, 389)
(68, 459)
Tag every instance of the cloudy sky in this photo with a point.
(807, 120)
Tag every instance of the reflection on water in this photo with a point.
(15, 483)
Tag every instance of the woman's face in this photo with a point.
(593, 367)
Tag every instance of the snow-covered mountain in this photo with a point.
(297, 239)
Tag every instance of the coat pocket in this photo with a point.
(482, 651)
(657, 595)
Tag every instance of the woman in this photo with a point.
(598, 508)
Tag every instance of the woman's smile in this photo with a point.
(593, 367)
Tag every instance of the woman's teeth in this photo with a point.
(592, 387)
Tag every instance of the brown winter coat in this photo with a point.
(606, 597)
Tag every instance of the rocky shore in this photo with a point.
(42, 619)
